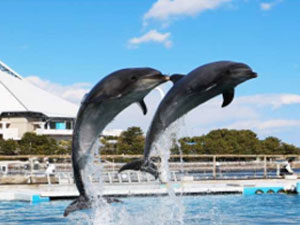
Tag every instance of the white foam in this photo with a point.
(167, 211)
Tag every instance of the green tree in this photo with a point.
(131, 141)
(32, 144)
(271, 145)
(64, 147)
(290, 149)
(8, 147)
(109, 145)
(222, 141)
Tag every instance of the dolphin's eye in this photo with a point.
(133, 78)
(227, 72)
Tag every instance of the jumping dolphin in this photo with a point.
(200, 85)
(108, 98)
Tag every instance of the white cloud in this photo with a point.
(211, 113)
(258, 112)
(72, 93)
(249, 112)
(267, 125)
(273, 100)
(265, 6)
(152, 36)
(247, 108)
(165, 9)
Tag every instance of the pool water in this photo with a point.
(217, 209)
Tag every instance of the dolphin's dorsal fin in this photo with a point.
(176, 77)
(143, 106)
(228, 96)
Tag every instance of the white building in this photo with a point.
(113, 132)
(27, 108)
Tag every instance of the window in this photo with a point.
(69, 125)
(60, 126)
(52, 125)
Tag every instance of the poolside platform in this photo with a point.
(211, 174)
(39, 193)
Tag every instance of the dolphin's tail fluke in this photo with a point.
(80, 203)
(84, 203)
(142, 165)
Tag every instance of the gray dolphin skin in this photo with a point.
(197, 87)
(108, 98)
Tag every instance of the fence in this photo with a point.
(193, 167)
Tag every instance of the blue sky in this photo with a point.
(67, 46)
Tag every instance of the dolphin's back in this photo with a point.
(200, 85)
(106, 100)
(89, 125)
(180, 99)
(202, 76)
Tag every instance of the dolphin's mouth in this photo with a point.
(253, 74)
(249, 73)
(161, 77)
(245, 71)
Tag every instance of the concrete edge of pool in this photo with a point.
(44, 193)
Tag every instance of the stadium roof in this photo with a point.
(18, 95)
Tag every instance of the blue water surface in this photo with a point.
(217, 209)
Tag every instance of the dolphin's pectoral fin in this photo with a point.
(176, 77)
(80, 203)
(142, 165)
(143, 106)
(228, 97)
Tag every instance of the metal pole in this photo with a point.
(265, 166)
(214, 167)
(31, 170)
(278, 170)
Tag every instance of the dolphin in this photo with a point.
(107, 98)
(189, 91)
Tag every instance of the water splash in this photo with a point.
(93, 179)
(163, 148)
(101, 212)
(181, 158)
(167, 211)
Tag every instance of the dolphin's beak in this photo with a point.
(161, 77)
(253, 75)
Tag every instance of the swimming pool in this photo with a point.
(217, 209)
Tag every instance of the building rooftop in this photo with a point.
(19, 96)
